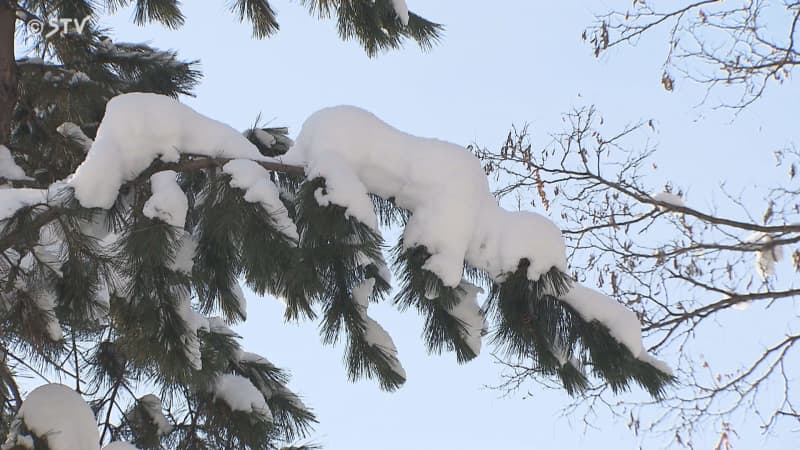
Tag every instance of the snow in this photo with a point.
(152, 405)
(218, 326)
(291, 397)
(31, 60)
(241, 301)
(51, 250)
(241, 395)
(11, 200)
(469, 313)
(374, 334)
(183, 261)
(25, 442)
(254, 180)
(59, 413)
(74, 133)
(401, 9)
(52, 77)
(8, 168)
(46, 302)
(454, 213)
(252, 358)
(766, 258)
(137, 51)
(560, 353)
(78, 78)
(118, 280)
(621, 322)
(742, 306)
(265, 138)
(168, 202)
(120, 446)
(139, 128)
(669, 198)
(655, 362)
(503, 238)
(194, 321)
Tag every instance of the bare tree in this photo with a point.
(744, 44)
(680, 267)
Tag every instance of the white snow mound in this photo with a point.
(454, 214)
(669, 198)
(8, 168)
(152, 405)
(254, 180)
(401, 9)
(11, 200)
(58, 413)
(240, 394)
(622, 323)
(768, 257)
(139, 128)
(168, 202)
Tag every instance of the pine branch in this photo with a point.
(199, 162)
(33, 184)
(187, 165)
(13, 239)
(111, 401)
(166, 12)
(259, 13)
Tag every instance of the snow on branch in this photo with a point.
(670, 199)
(254, 180)
(168, 201)
(74, 133)
(12, 200)
(140, 128)
(469, 314)
(151, 404)
(622, 323)
(240, 394)
(454, 215)
(401, 9)
(57, 414)
(9, 168)
(374, 334)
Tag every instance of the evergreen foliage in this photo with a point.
(375, 24)
(106, 298)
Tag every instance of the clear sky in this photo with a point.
(500, 63)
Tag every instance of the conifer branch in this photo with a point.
(41, 220)
(187, 165)
(199, 162)
(23, 183)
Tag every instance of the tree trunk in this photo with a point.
(8, 69)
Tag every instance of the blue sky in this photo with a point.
(500, 63)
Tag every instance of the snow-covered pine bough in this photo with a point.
(187, 207)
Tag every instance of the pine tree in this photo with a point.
(374, 24)
(132, 299)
